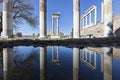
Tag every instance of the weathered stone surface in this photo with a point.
(76, 18)
(97, 30)
(108, 18)
(43, 24)
(7, 20)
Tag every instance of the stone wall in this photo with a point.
(97, 30)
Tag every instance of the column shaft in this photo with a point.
(95, 16)
(108, 18)
(43, 24)
(57, 26)
(7, 20)
(90, 19)
(52, 26)
(76, 18)
(86, 21)
(102, 11)
(83, 22)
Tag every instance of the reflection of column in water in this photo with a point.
(57, 59)
(90, 58)
(86, 55)
(76, 61)
(102, 61)
(43, 59)
(108, 63)
(8, 63)
(95, 59)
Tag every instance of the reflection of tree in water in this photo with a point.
(25, 69)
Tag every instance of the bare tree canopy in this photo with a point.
(23, 12)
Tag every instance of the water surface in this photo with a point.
(59, 63)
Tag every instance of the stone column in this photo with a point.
(57, 26)
(108, 18)
(43, 24)
(76, 62)
(76, 18)
(86, 21)
(7, 20)
(52, 25)
(95, 16)
(83, 22)
(108, 63)
(43, 62)
(8, 63)
(102, 11)
(90, 18)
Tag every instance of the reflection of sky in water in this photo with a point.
(22, 53)
(63, 70)
(27, 64)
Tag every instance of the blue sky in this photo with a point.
(65, 7)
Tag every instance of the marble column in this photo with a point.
(43, 23)
(86, 21)
(90, 18)
(43, 63)
(102, 11)
(95, 16)
(108, 18)
(57, 26)
(7, 20)
(76, 63)
(76, 18)
(108, 63)
(83, 22)
(52, 25)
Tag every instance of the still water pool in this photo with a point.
(59, 63)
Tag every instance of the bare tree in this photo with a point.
(23, 12)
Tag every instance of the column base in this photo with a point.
(11, 36)
(42, 37)
(54, 36)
